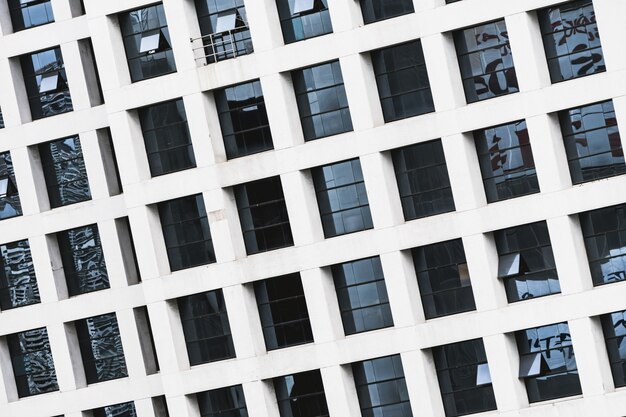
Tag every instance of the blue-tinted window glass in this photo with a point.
(223, 402)
(299, 22)
(117, 410)
(614, 327)
(30, 13)
(33, 366)
(376, 10)
(18, 284)
(10, 205)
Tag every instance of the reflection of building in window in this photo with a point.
(376, 10)
(614, 327)
(117, 410)
(18, 284)
(526, 263)
(224, 28)
(301, 395)
(506, 161)
(547, 362)
(30, 13)
(486, 61)
(10, 205)
(228, 401)
(303, 19)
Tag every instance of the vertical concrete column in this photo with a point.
(382, 189)
(6, 26)
(344, 15)
(30, 181)
(183, 23)
(402, 288)
(8, 389)
(503, 360)
(127, 138)
(245, 326)
(15, 107)
(94, 165)
(182, 406)
(76, 78)
(360, 83)
(282, 110)
(109, 52)
(444, 74)
(592, 360)
(549, 154)
(131, 343)
(322, 304)
(531, 67)
(113, 256)
(144, 407)
(305, 222)
(482, 261)
(200, 112)
(264, 24)
(611, 32)
(61, 10)
(67, 365)
(152, 255)
(260, 399)
(464, 171)
(570, 255)
(224, 222)
(169, 340)
(43, 271)
(421, 381)
(341, 395)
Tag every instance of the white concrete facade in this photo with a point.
(412, 335)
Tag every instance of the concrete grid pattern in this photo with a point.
(412, 336)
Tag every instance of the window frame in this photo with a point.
(24, 266)
(287, 17)
(284, 387)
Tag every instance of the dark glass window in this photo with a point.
(101, 348)
(33, 366)
(301, 395)
(547, 362)
(223, 402)
(423, 180)
(18, 284)
(506, 161)
(1, 120)
(224, 28)
(64, 171)
(243, 119)
(443, 279)
(604, 231)
(263, 215)
(526, 262)
(464, 378)
(46, 83)
(342, 198)
(402, 81)
(206, 327)
(376, 10)
(167, 138)
(186, 232)
(283, 311)
(486, 61)
(10, 205)
(30, 13)
(362, 295)
(303, 19)
(147, 42)
(451, 1)
(614, 327)
(571, 39)
(381, 387)
(322, 101)
(117, 410)
(592, 142)
(83, 260)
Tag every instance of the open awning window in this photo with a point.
(5, 186)
(532, 365)
(509, 265)
(303, 6)
(49, 83)
(150, 43)
(226, 21)
(483, 376)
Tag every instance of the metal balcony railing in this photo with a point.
(220, 46)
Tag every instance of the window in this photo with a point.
(243, 119)
(301, 395)
(381, 387)
(376, 10)
(303, 19)
(362, 295)
(224, 28)
(423, 180)
(604, 231)
(402, 81)
(101, 348)
(571, 39)
(322, 100)
(464, 378)
(547, 362)
(486, 61)
(30, 13)
(147, 42)
(83, 260)
(33, 366)
(342, 198)
(186, 232)
(10, 205)
(223, 402)
(206, 327)
(117, 410)
(1, 120)
(46, 83)
(506, 161)
(443, 279)
(167, 138)
(614, 327)
(64, 171)
(526, 263)
(18, 284)
(263, 215)
(283, 311)
(592, 142)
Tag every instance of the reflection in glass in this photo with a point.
(301, 395)
(18, 285)
(27, 14)
(376, 10)
(33, 366)
(10, 205)
(614, 327)
(117, 410)
(303, 19)
(223, 402)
